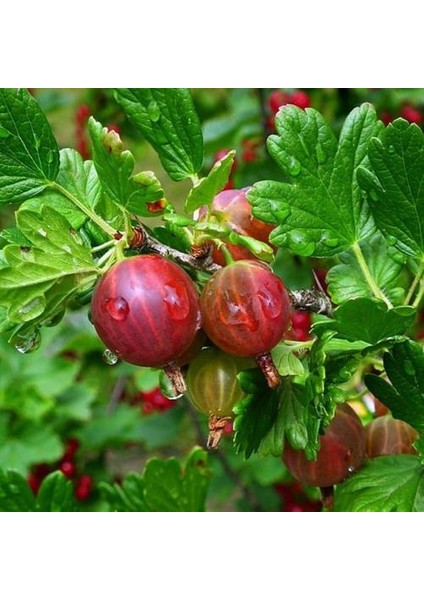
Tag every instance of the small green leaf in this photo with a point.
(320, 211)
(115, 167)
(368, 320)
(15, 493)
(168, 120)
(164, 486)
(56, 494)
(286, 361)
(394, 186)
(404, 365)
(205, 190)
(384, 484)
(346, 281)
(32, 444)
(29, 156)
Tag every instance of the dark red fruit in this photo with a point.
(34, 482)
(300, 99)
(411, 114)
(246, 310)
(146, 310)
(71, 449)
(386, 435)
(276, 99)
(213, 388)
(342, 451)
(68, 468)
(83, 487)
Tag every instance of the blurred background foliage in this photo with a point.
(64, 408)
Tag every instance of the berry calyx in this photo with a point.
(342, 451)
(146, 311)
(246, 311)
(213, 388)
(386, 435)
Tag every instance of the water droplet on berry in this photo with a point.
(154, 111)
(176, 300)
(109, 357)
(391, 149)
(117, 308)
(270, 307)
(321, 155)
(4, 133)
(27, 342)
(294, 167)
(166, 388)
(241, 314)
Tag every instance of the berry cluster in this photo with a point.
(83, 483)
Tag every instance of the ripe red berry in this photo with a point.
(146, 311)
(276, 99)
(300, 99)
(71, 449)
(246, 309)
(82, 114)
(83, 487)
(342, 451)
(233, 208)
(34, 482)
(68, 468)
(411, 114)
(386, 117)
(386, 435)
(155, 401)
(301, 319)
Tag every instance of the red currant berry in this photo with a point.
(246, 311)
(146, 311)
(300, 99)
(411, 114)
(71, 449)
(83, 487)
(34, 483)
(301, 319)
(276, 99)
(68, 469)
(386, 435)
(386, 117)
(342, 451)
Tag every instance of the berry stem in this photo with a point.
(144, 241)
(216, 429)
(266, 364)
(176, 378)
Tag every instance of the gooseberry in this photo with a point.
(386, 435)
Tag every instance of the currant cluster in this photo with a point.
(83, 483)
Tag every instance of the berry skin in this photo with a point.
(213, 388)
(146, 310)
(246, 309)
(233, 208)
(83, 487)
(342, 451)
(411, 114)
(212, 385)
(276, 99)
(68, 468)
(155, 401)
(300, 99)
(386, 436)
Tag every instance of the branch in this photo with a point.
(142, 240)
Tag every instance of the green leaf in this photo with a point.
(56, 494)
(168, 120)
(368, 320)
(320, 211)
(346, 281)
(205, 190)
(394, 186)
(40, 280)
(28, 446)
(78, 177)
(404, 366)
(384, 484)
(165, 486)
(286, 361)
(29, 156)
(115, 167)
(112, 429)
(15, 493)
(255, 414)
